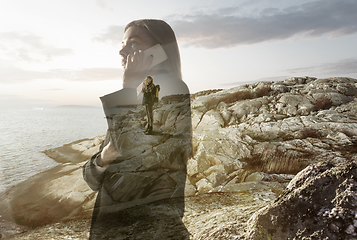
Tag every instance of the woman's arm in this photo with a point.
(94, 169)
(93, 174)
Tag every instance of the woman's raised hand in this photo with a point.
(137, 68)
(108, 154)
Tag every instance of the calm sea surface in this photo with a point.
(25, 133)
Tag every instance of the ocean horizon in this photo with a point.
(27, 131)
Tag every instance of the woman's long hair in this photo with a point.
(164, 35)
(147, 84)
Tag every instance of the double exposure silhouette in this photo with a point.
(141, 177)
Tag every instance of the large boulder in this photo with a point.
(55, 195)
(319, 203)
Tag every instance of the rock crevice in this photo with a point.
(250, 139)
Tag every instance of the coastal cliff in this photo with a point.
(253, 146)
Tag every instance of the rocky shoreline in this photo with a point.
(249, 142)
(205, 217)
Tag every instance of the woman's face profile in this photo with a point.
(135, 40)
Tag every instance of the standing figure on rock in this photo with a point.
(150, 97)
(141, 178)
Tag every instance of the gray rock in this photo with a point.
(319, 202)
(249, 139)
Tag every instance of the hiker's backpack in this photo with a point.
(156, 96)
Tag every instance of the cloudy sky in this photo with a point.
(56, 52)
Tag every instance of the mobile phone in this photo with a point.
(158, 55)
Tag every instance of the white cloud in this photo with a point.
(13, 75)
(226, 28)
(29, 47)
(346, 66)
(112, 35)
(16, 75)
(90, 74)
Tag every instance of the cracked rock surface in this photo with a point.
(319, 203)
(250, 140)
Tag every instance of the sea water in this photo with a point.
(26, 132)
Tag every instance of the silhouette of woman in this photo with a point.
(141, 178)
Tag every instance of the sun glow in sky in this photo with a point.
(63, 52)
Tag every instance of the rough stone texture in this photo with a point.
(248, 139)
(212, 216)
(319, 203)
(55, 195)
(77, 151)
(272, 127)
